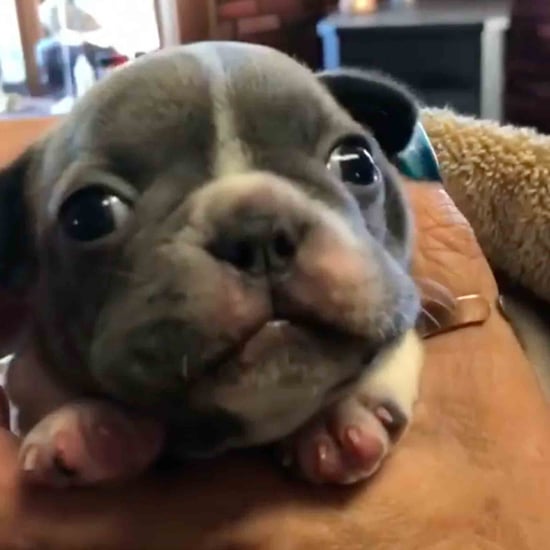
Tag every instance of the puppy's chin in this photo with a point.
(279, 370)
(263, 389)
(283, 376)
(279, 377)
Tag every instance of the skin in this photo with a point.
(183, 347)
(484, 467)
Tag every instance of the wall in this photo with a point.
(288, 25)
(527, 62)
(193, 20)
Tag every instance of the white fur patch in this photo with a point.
(231, 156)
(397, 376)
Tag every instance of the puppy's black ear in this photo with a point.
(383, 106)
(15, 238)
(390, 113)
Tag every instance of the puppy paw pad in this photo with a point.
(54, 462)
(361, 447)
(343, 445)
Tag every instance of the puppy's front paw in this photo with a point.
(348, 442)
(345, 444)
(87, 443)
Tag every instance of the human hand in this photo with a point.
(471, 472)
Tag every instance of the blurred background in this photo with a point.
(487, 58)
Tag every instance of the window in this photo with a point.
(129, 26)
(12, 62)
(51, 51)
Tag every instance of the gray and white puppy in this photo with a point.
(217, 247)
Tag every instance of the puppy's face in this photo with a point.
(217, 235)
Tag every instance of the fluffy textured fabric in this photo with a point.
(499, 177)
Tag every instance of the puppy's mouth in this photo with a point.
(283, 373)
(281, 351)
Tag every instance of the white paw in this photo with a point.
(348, 442)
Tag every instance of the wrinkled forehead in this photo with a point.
(193, 102)
(274, 100)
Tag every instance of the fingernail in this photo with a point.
(30, 458)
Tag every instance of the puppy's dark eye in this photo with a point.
(92, 213)
(352, 163)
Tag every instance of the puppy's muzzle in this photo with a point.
(283, 301)
(256, 223)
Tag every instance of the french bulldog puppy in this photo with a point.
(216, 246)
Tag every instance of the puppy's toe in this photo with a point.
(345, 444)
(88, 443)
(54, 452)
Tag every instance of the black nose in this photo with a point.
(258, 247)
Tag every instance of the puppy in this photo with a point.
(216, 245)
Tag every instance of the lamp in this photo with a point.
(353, 7)
(357, 7)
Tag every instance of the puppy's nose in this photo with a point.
(258, 247)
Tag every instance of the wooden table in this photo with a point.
(17, 134)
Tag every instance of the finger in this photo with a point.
(14, 313)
